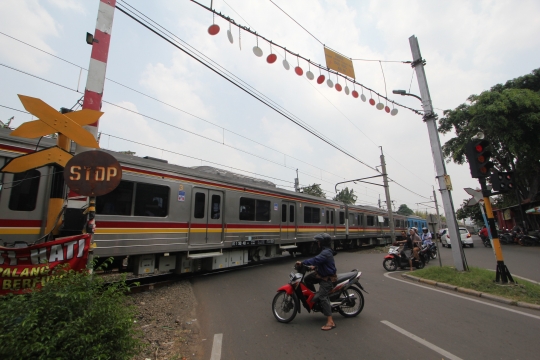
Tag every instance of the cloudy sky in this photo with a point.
(179, 110)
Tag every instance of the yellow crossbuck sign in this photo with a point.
(50, 122)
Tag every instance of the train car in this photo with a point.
(417, 222)
(172, 218)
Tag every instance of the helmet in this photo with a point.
(324, 239)
(425, 229)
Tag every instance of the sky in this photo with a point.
(159, 102)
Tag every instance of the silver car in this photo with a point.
(466, 238)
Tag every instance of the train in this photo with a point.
(170, 218)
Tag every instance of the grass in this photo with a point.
(482, 280)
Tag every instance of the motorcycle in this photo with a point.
(345, 298)
(485, 240)
(431, 250)
(393, 260)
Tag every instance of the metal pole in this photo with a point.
(388, 202)
(487, 226)
(502, 273)
(429, 118)
(439, 223)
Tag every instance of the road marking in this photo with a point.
(427, 344)
(466, 298)
(216, 347)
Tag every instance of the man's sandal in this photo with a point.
(328, 327)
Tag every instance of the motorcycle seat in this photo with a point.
(346, 276)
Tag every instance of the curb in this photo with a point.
(473, 292)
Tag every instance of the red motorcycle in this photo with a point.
(345, 298)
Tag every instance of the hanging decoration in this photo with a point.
(272, 57)
(309, 74)
(229, 34)
(298, 70)
(347, 73)
(285, 62)
(257, 50)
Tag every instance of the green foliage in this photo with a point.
(404, 210)
(472, 212)
(73, 316)
(314, 190)
(422, 214)
(481, 280)
(346, 196)
(509, 117)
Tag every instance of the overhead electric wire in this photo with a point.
(247, 91)
(174, 107)
(74, 90)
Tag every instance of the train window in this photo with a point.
(263, 210)
(247, 209)
(198, 208)
(332, 217)
(352, 220)
(416, 224)
(386, 223)
(117, 202)
(342, 217)
(24, 191)
(291, 214)
(360, 219)
(283, 213)
(327, 216)
(312, 215)
(152, 200)
(215, 208)
(370, 220)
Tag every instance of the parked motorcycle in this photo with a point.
(345, 298)
(485, 240)
(393, 260)
(527, 240)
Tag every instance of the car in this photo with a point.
(466, 238)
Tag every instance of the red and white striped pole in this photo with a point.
(93, 92)
(98, 61)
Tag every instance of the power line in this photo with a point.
(329, 142)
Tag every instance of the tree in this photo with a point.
(346, 196)
(404, 210)
(472, 212)
(420, 213)
(314, 190)
(509, 117)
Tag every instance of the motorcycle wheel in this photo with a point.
(390, 264)
(354, 308)
(433, 254)
(284, 306)
(420, 264)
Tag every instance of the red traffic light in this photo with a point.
(479, 148)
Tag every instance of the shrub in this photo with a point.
(73, 316)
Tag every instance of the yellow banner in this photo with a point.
(339, 63)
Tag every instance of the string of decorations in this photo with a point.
(214, 29)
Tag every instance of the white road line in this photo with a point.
(427, 344)
(466, 298)
(216, 347)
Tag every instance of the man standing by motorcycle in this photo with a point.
(324, 275)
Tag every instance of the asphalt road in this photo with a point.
(400, 320)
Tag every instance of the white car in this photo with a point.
(466, 238)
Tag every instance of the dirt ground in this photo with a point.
(167, 319)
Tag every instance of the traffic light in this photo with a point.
(478, 156)
(502, 182)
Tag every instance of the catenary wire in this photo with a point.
(74, 90)
(174, 107)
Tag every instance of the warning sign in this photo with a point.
(339, 63)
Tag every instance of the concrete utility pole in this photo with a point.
(430, 119)
(388, 202)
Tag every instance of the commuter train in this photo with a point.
(165, 217)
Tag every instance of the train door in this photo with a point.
(288, 220)
(329, 221)
(206, 226)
